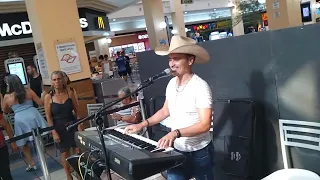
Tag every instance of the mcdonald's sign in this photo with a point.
(100, 23)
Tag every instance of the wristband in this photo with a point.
(178, 133)
(147, 122)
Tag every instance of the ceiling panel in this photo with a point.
(107, 6)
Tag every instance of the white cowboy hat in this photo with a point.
(184, 45)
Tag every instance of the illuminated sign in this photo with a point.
(264, 17)
(25, 28)
(144, 36)
(201, 27)
(100, 23)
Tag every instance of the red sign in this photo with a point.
(68, 58)
(264, 17)
(201, 27)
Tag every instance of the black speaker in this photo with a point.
(233, 136)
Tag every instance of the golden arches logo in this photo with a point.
(100, 23)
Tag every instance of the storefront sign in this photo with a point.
(201, 27)
(25, 28)
(100, 23)
(68, 57)
(17, 25)
(143, 36)
(186, 1)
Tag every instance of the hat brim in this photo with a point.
(202, 56)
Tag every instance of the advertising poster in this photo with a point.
(42, 64)
(68, 57)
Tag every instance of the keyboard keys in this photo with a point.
(134, 141)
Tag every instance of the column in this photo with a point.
(101, 47)
(156, 26)
(283, 13)
(57, 33)
(177, 18)
(236, 18)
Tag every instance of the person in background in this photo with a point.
(61, 110)
(121, 63)
(92, 69)
(129, 71)
(4, 85)
(128, 116)
(198, 37)
(35, 81)
(4, 154)
(105, 66)
(26, 116)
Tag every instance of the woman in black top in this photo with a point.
(61, 110)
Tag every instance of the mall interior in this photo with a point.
(98, 60)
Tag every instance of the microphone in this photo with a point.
(164, 73)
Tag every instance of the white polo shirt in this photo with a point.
(183, 103)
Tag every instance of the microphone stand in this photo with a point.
(99, 121)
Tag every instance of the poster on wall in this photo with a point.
(42, 63)
(68, 57)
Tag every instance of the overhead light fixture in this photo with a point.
(109, 40)
(186, 12)
(114, 20)
(163, 25)
(262, 1)
(174, 31)
(214, 9)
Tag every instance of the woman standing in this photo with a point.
(61, 108)
(68, 82)
(26, 117)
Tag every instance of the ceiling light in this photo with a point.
(185, 12)
(109, 40)
(114, 20)
(163, 25)
(262, 1)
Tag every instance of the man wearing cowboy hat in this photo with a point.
(188, 103)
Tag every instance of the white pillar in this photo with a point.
(237, 21)
(177, 17)
(154, 16)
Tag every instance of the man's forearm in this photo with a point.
(194, 130)
(155, 119)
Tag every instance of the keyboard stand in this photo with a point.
(99, 122)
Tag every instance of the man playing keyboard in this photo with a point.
(188, 103)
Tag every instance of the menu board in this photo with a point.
(17, 69)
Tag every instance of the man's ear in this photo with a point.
(191, 60)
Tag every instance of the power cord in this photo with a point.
(79, 166)
(85, 174)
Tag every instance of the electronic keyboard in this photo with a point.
(131, 156)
